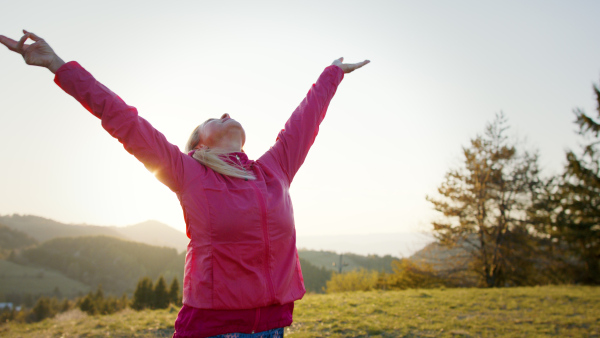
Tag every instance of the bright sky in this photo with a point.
(439, 71)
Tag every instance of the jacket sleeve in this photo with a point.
(294, 141)
(121, 121)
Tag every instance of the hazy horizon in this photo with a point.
(397, 244)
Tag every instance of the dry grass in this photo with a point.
(550, 311)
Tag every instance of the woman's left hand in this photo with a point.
(38, 53)
(348, 67)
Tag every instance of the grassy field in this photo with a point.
(510, 312)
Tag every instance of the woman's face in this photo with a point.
(221, 133)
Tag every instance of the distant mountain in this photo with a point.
(440, 256)
(149, 232)
(43, 229)
(155, 233)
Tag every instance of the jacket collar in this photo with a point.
(231, 157)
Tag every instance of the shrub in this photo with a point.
(355, 280)
(410, 275)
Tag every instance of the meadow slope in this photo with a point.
(552, 311)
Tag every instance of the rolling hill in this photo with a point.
(149, 232)
(114, 263)
(16, 279)
(11, 239)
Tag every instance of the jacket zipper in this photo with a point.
(263, 210)
(241, 165)
(256, 320)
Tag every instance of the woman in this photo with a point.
(242, 273)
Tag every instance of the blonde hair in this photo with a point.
(212, 158)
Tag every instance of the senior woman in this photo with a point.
(242, 273)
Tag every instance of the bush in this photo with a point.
(356, 280)
(410, 275)
(96, 303)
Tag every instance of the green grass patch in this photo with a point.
(550, 311)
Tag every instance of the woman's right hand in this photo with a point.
(38, 53)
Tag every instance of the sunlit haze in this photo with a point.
(439, 71)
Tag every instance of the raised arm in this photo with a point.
(295, 140)
(122, 121)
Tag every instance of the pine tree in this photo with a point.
(174, 292)
(42, 309)
(143, 295)
(161, 295)
(578, 212)
(89, 305)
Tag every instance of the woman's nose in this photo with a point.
(225, 116)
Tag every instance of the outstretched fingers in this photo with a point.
(360, 64)
(39, 53)
(9, 43)
(355, 66)
(19, 46)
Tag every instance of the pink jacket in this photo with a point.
(242, 251)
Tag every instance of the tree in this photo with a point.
(143, 294)
(44, 308)
(576, 220)
(484, 204)
(174, 292)
(89, 305)
(161, 296)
